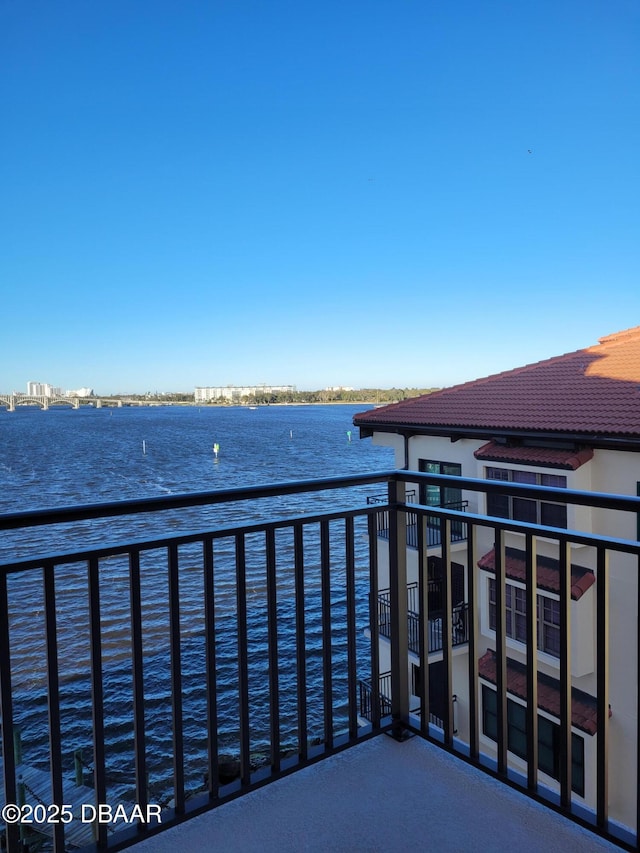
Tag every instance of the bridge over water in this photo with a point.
(12, 401)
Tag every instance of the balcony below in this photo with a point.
(433, 529)
(459, 618)
(380, 795)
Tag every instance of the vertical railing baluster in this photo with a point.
(447, 606)
(399, 614)
(12, 833)
(531, 588)
(301, 650)
(565, 674)
(210, 664)
(501, 652)
(97, 694)
(243, 659)
(472, 629)
(53, 699)
(638, 691)
(602, 682)
(272, 627)
(137, 666)
(352, 679)
(176, 678)
(423, 625)
(327, 678)
(374, 621)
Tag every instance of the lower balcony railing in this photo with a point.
(459, 622)
(163, 655)
(433, 538)
(368, 701)
(368, 698)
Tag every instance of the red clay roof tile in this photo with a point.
(591, 391)
(584, 709)
(548, 571)
(543, 457)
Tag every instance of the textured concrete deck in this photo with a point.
(380, 796)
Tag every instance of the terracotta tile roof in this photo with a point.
(543, 457)
(584, 709)
(594, 391)
(548, 571)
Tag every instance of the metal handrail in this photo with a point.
(324, 542)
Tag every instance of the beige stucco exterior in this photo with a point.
(609, 471)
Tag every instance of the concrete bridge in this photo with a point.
(12, 401)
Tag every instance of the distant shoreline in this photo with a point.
(271, 405)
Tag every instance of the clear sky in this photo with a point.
(355, 192)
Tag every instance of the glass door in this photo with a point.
(432, 495)
(439, 495)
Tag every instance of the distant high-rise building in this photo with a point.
(43, 389)
(237, 392)
(39, 389)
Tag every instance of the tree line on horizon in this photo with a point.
(325, 395)
(342, 395)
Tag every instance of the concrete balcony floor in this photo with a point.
(380, 796)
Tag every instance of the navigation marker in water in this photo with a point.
(216, 448)
(144, 447)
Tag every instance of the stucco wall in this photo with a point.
(611, 472)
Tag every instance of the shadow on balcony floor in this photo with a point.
(381, 796)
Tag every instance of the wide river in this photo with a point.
(63, 457)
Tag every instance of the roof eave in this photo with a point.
(455, 433)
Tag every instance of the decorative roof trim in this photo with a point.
(548, 571)
(542, 457)
(457, 432)
(584, 707)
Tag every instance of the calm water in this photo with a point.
(64, 457)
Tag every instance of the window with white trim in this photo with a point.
(547, 613)
(527, 509)
(548, 738)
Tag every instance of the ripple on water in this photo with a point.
(98, 458)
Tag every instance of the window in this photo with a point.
(447, 496)
(440, 495)
(547, 614)
(526, 509)
(548, 738)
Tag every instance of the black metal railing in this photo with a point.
(458, 528)
(367, 700)
(243, 646)
(459, 621)
(237, 645)
(384, 701)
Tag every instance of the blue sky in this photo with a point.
(234, 192)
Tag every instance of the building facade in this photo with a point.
(235, 393)
(571, 422)
(41, 389)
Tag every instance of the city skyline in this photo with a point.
(366, 194)
(37, 388)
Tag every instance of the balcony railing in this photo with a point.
(433, 538)
(384, 702)
(210, 651)
(459, 621)
(367, 698)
